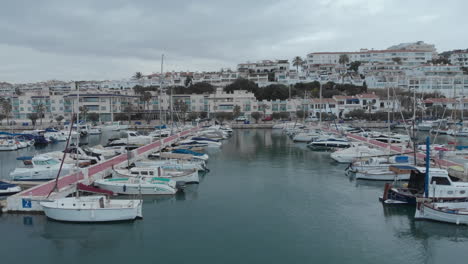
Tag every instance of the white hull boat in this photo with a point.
(187, 176)
(130, 185)
(8, 188)
(92, 209)
(44, 167)
(350, 154)
(381, 175)
(448, 212)
(172, 164)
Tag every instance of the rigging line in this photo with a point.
(63, 159)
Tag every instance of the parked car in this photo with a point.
(267, 118)
(241, 118)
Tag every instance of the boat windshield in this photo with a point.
(46, 162)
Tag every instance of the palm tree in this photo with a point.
(145, 97)
(6, 108)
(298, 61)
(344, 59)
(138, 75)
(83, 112)
(40, 110)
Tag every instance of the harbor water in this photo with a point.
(265, 200)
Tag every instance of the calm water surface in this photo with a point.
(265, 200)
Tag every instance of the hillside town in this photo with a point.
(408, 67)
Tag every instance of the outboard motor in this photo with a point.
(180, 185)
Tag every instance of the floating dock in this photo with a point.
(28, 200)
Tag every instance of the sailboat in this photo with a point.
(95, 208)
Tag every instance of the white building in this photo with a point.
(459, 58)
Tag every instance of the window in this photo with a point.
(103, 99)
(144, 173)
(103, 108)
(440, 181)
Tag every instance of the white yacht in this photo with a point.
(134, 185)
(350, 154)
(43, 167)
(173, 164)
(188, 176)
(131, 138)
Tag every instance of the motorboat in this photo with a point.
(377, 163)
(95, 208)
(114, 126)
(441, 187)
(306, 136)
(77, 153)
(425, 125)
(131, 138)
(447, 212)
(204, 140)
(325, 144)
(94, 131)
(350, 154)
(182, 175)
(383, 174)
(138, 185)
(106, 153)
(462, 132)
(8, 143)
(161, 133)
(173, 164)
(7, 188)
(42, 168)
(197, 155)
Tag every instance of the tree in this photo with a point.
(300, 114)
(354, 66)
(297, 61)
(6, 109)
(192, 116)
(263, 107)
(138, 75)
(242, 84)
(145, 97)
(397, 60)
(344, 59)
(18, 91)
(2, 116)
(83, 112)
(188, 81)
(256, 116)
(33, 117)
(181, 107)
(93, 117)
(236, 112)
(128, 111)
(40, 110)
(59, 119)
(440, 60)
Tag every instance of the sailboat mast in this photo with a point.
(320, 115)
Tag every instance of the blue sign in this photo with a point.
(26, 203)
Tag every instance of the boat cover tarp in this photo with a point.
(24, 158)
(186, 151)
(91, 189)
(6, 185)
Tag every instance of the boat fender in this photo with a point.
(125, 188)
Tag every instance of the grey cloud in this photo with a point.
(94, 35)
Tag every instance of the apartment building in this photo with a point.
(459, 58)
(264, 66)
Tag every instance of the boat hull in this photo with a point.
(94, 214)
(449, 215)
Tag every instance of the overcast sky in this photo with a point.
(112, 39)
